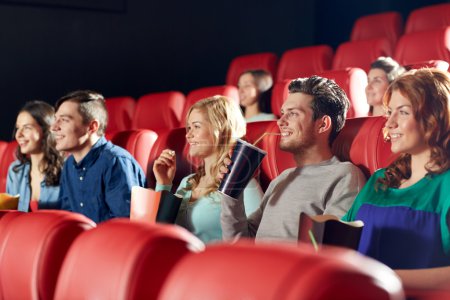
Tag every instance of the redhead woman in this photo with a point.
(406, 207)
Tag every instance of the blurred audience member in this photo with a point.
(255, 89)
(382, 72)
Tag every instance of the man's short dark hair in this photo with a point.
(91, 106)
(329, 99)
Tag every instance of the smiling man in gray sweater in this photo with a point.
(311, 118)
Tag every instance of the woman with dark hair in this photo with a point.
(406, 207)
(382, 72)
(35, 173)
(255, 88)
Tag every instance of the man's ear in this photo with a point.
(93, 126)
(324, 124)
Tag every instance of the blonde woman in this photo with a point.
(212, 126)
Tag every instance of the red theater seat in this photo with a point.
(383, 25)
(353, 81)
(438, 64)
(280, 93)
(33, 247)
(428, 18)
(138, 142)
(9, 155)
(361, 54)
(123, 260)
(120, 113)
(304, 62)
(275, 271)
(194, 96)
(259, 61)
(423, 46)
(159, 111)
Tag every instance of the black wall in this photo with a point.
(155, 45)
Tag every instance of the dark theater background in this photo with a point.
(133, 47)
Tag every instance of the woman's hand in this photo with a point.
(164, 167)
(224, 168)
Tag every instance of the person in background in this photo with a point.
(382, 72)
(213, 125)
(97, 176)
(35, 174)
(255, 88)
(311, 118)
(406, 206)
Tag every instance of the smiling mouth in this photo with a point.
(286, 134)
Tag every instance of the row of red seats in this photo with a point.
(62, 255)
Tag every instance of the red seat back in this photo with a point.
(276, 271)
(424, 45)
(383, 25)
(304, 62)
(428, 18)
(123, 260)
(205, 92)
(438, 64)
(33, 247)
(361, 141)
(280, 93)
(159, 111)
(361, 54)
(138, 142)
(259, 61)
(9, 155)
(120, 113)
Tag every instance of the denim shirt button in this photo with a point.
(81, 204)
(81, 177)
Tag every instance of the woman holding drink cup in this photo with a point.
(213, 125)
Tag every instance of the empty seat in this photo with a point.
(138, 142)
(33, 247)
(229, 91)
(428, 18)
(423, 46)
(353, 81)
(438, 64)
(259, 61)
(361, 54)
(123, 260)
(276, 271)
(9, 155)
(159, 111)
(383, 25)
(304, 62)
(120, 113)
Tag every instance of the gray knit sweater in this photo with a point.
(329, 187)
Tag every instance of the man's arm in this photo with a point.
(120, 177)
(432, 278)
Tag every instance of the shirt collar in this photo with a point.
(92, 155)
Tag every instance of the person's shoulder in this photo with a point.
(262, 117)
(111, 151)
(17, 163)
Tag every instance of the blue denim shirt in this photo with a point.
(19, 183)
(99, 186)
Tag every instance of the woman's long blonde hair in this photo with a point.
(228, 124)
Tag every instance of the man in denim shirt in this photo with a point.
(97, 177)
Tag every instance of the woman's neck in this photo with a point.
(252, 110)
(418, 170)
(378, 111)
(36, 160)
